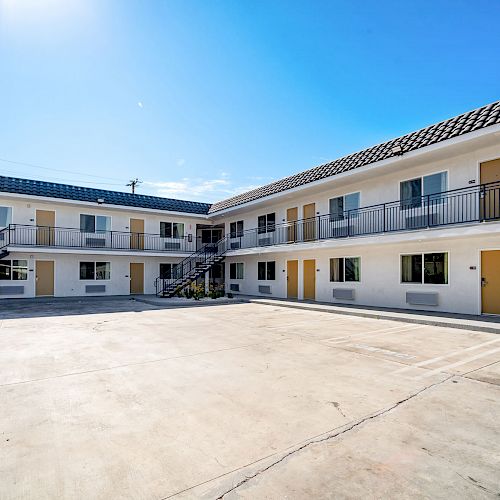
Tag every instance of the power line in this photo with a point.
(56, 169)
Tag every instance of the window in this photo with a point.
(236, 271)
(236, 229)
(340, 205)
(5, 216)
(16, 270)
(266, 223)
(411, 191)
(172, 230)
(345, 269)
(429, 268)
(94, 223)
(266, 270)
(95, 270)
(168, 271)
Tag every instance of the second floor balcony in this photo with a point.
(19, 235)
(473, 204)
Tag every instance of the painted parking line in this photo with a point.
(374, 334)
(444, 356)
(458, 363)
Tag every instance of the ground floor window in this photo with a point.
(266, 270)
(16, 270)
(236, 271)
(345, 269)
(168, 271)
(430, 268)
(95, 270)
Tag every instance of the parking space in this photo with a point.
(121, 399)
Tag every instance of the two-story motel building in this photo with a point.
(410, 223)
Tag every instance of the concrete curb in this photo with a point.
(461, 324)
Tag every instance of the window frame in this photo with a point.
(236, 233)
(11, 208)
(343, 196)
(173, 269)
(96, 231)
(409, 205)
(171, 224)
(236, 266)
(344, 258)
(266, 270)
(422, 282)
(266, 227)
(12, 267)
(95, 270)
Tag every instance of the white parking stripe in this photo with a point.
(458, 363)
(444, 356)
(374, 334)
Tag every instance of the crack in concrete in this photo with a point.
(334, 435)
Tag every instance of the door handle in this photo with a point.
(483, 282)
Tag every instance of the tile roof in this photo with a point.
(467, 122)
(68, 192)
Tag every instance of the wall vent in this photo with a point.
(265, 241)
(235, 245)
(234, 287)
(172, 245)
(12, 290)
(264, 289)
(95, 242)
(95, 288)
(422, 298)
(343, 293)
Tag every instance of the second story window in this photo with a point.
(94, 223)
(172, 229)
(266, 223)
(412, 190)
(340, 206)
(5, 216)
(236, 229)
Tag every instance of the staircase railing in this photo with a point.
(4, 237)
(182, 270)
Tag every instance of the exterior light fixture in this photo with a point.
(397, 150)
(100, 200)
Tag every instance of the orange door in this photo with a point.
(44, 278)
(45, 221)
(137, 236)
(309, 222)
(490, 281)
(310, 279)
(292, 279)
(291, 217)
(490, 175)
(137, 277)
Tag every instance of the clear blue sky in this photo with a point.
(205, 98)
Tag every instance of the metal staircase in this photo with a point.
(191, 268)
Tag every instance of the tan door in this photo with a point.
(292, 214)
(137, 236)
(45, 221)
(490, 281)
(292, 279)
(44, 277)
(136, 277)
(310, 279)
(309, 222)
(490, 206)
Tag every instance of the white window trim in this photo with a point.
(171, 230)
(95, 223)
(275, 271)
(12, 265)
(95, 274)
(11, 216)
(421, 177)
(345, 257)
(422, 282)
(343, 196)
(243, 271)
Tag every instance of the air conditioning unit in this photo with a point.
(264, 289)
(235, 245)
(265, 241)
(343, 293)
(419, 221)
(95, 242)
(234, 287)
(172, 245)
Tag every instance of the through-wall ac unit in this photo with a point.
(95, 242)
(234, 287)
(172, 245)
(264, 289)
(235, 245)
(265, 241)
(418, 221)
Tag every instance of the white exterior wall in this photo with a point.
(68, 214)
(380, 283)
(379, 187)
(67, 281)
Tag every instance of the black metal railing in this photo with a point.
(459, 206)
(61, 237)
(190, 268)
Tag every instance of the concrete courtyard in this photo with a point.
(119, 399)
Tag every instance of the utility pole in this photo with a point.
(133, 183)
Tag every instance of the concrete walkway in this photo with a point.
(490, 324)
